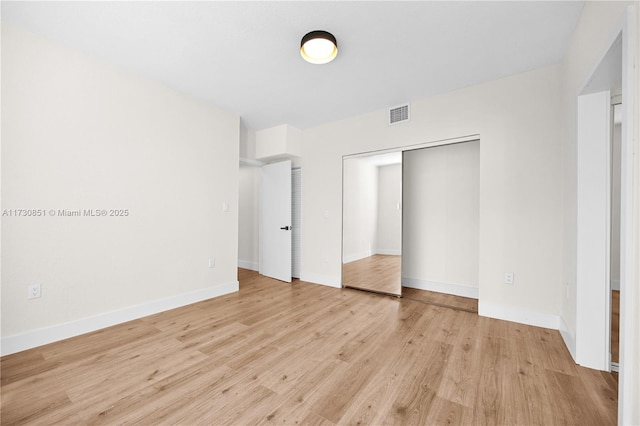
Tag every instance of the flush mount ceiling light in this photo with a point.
(318, 47)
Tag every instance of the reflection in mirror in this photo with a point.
(614, 250)
(441, 223)
(372, 223)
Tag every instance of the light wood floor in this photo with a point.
(615, 325)
(381, 273)
(277, 353)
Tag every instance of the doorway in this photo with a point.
(275, 221)
(599, 215)
(431, 218)
(614, 251)
(280, 221)
(622, 61)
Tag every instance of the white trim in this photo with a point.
(455, 289)
(403, 148)
(629, 369)
(251, 162)
(388, 252)
(519, 315)
(247, 264)
(314, 278)
(569, 338)
(43, 336)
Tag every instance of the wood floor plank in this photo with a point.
(297, 404)
(278, 353)
(98, 341)
(418, 391)
(160, 398)
(345, 383)
(33, 400)
(458, 383)
(378, 396)
(24, 365)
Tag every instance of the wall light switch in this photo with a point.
(508, 277)
(225, 207)
(212, 263)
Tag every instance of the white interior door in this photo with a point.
(275, 223)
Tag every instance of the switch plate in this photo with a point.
(225, 207)
(212, 263)
(34, 291)
(508, 277)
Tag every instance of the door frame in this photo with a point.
(401, 149)
(627, 30)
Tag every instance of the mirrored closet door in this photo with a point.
(372, 223)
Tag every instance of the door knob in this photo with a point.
(286, 228)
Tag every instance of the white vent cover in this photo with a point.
(398, 114)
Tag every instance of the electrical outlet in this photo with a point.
(33, 291)
(508, 277)
(212, 263)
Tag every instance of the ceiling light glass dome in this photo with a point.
(318, 47)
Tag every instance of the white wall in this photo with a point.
(389, 226)
(248, 217)
(80, 134)
(248, 201)
(441, 220)
(360, 209)
(517, 119)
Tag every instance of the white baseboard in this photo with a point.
(455, 289)
(321, 279)
(519, 315)
(388, 252)
(569, 338)
(247, 264)
(43, 336)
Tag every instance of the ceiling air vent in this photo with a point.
(398, 114)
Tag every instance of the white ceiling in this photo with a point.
(244, 56)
